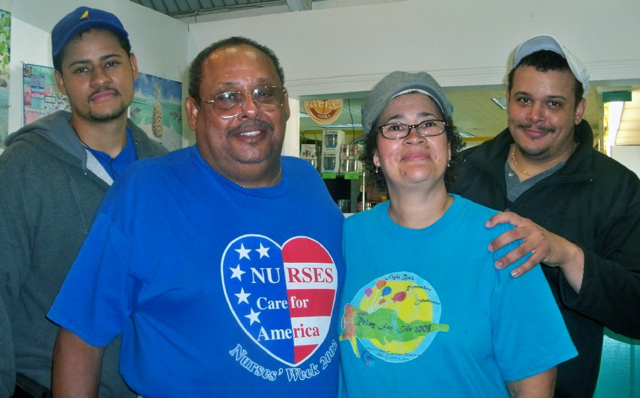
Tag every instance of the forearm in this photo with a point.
(76, 367)
(572, 266)
(536, 386)
(609, 294)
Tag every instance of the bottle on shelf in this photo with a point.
(361, 199)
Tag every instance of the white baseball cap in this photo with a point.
(550, 43)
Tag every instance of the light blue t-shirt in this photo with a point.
(426, 314)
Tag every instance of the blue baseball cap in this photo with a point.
(81, 19)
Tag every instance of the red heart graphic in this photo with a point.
(283, 298)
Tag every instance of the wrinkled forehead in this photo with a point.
(244, 59)
(237, 50)
(549, 82)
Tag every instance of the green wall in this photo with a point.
(620, 369)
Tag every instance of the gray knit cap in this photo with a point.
(397, 83)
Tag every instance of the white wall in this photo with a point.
(348, 49)
(628, 155)
(158, 41)
(460, 42)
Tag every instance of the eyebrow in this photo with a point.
(548, 97)
(263, 81)
(400, 116)
(88, 61)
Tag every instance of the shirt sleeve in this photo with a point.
(523, 352)
(18, 204)
(94, 299)
(610, 292)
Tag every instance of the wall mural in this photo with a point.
(157, 109)
(41, 94)
(5, 50)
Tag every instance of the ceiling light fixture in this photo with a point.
(501, 102)
(613, 108)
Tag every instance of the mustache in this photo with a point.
(115, 91)
(546, 129)
(253, 123)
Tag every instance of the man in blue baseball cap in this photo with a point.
(53, 175)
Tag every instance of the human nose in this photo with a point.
(100, 77)
(536, 112)
(249, 106)
(413, 136)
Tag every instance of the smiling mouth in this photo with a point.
(251, 133)
(415, 158)
(537, 129)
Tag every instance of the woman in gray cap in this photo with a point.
(425, 312)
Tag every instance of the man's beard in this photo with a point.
(110, 115)
(539, 153)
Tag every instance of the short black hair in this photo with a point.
(545, 60)
(379, 180)
(195, 71)
(57, 59)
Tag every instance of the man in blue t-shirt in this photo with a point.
(208, 260)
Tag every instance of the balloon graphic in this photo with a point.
(400, 296)
(382, 301)
(381, 283)
(368, 291)
(386, 290)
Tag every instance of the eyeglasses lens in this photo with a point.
(229, 104)
(426, 128)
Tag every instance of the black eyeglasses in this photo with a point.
(231, 103)
(426, 128)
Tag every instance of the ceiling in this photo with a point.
(475, 113)
(190, 8)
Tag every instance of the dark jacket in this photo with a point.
(49, 191)
(594, 202)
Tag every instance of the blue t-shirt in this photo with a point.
(425, 313)
(115, 166)
(218, 290)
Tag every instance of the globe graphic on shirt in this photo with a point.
(394, 317)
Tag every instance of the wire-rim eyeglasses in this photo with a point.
(426, 128)
(231, 103)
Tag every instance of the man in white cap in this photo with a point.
(576, 210)
(53, 175)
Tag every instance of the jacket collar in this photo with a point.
(493, 153)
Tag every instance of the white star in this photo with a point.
(242, 296)
(253, 317)
(243, 252)
(237, 273)
(264, 251)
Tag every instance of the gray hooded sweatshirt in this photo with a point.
(50, 188)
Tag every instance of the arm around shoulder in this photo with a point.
(610, 292)
(77, 367)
